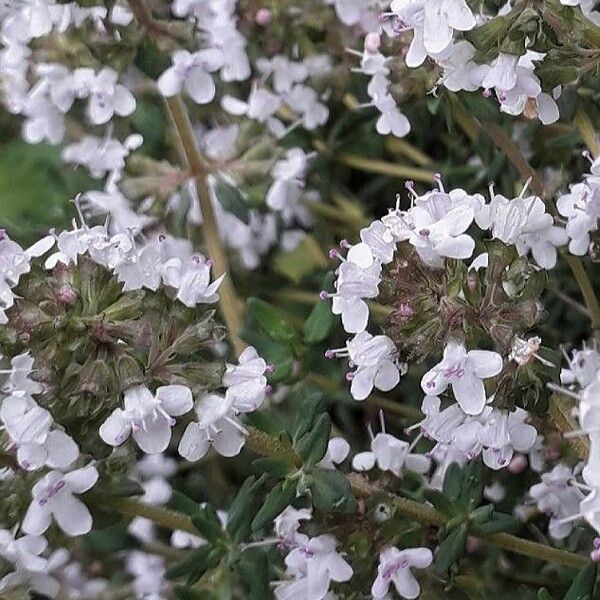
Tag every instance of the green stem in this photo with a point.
(130, 507)
(230, 306)
(430, 516)
(587, 132)
(378, 166)
(265, 445)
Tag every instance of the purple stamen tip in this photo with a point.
(323, 295)
(350, 375)
(329, 353)
(345, 244)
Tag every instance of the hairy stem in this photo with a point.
(426, 514)
(130, 507)
(377, 166)
(230, 306)
(266, 445)
(587, 132)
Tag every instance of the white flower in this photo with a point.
(217, 425)
(555, 497)
(337, 451)
(284, 71)
(148, 417)
(581, 206)
(353, 284)
(584, 365)
(246, 382)
(465, 372)
(390, 454)
(288, 522)
(288, 175)
(28, 427)
(514, 81)
(108, 97)
(54, 496)
(503, 433)
(191, 279)
(394, 567)
(140, 268)
(460, 71)
(190, 72)
(148, 571)
(314, 564)
(433, 22)
(29, 569)
(377, 243)
(375, 359)
(100, 155)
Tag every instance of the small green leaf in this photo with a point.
(472, 486)
(273, 323)
(311, 404)
(243, 508)
(232, 199)
(583, 585)
(207, 523)
(272, 466)
(450, 550)
(319, 323)
(544, 594)
(331, 491)
(499, 522)
(181, 503)
(276, 501)
(312, 446)
(196, 559)
(187, 593)
(440, 502)
(453, 482)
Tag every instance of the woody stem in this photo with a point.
(230, 306)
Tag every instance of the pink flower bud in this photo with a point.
(473, 544)
(263, 16)
(518, 464)
(372, 42)
(66, 294)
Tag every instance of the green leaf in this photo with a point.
(441, 502)
(331, 491)
(499, 522)
(274, 324)
(306, 258)
(207, 523)
(482, 514)
(232, 199)
(319, 323)
(472, 485)
(125, 486)
(311, 404)
(583, 585)
(181, 503)
(187, 593)
(480, 107)
(453, 482)
(196, 559)
(272, 466)
(280, 497)
(312, 446)
(243, 508)
(450, 550)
